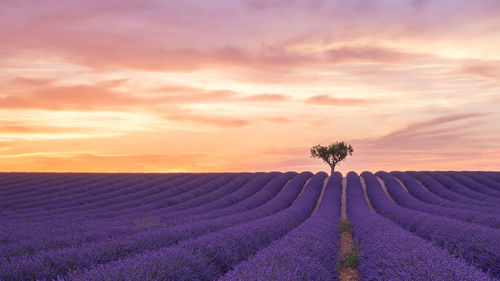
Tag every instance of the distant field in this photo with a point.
(248, 226)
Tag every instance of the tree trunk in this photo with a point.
(333, 169)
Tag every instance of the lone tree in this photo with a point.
(332, 154)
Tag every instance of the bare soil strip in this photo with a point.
(402, 184)
(382, 183)
(348, 274)
(346, 242)
(302, 191)
(363, 184)
(320, 196)
(343, 214)
(419, 182)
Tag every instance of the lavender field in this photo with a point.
(248, 226)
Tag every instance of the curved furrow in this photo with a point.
(27, 230)
(35, 188)
(417, 189)
(29, 182)
(459, 188)
(492, 175)
(96, 204)
(192, 188)
(198, 197)
(80, 189)
(62, 261)
(218, 200)
(247, 226)
(69, 192)
(32, 182)
(258, 199)
(388, 252)
(210, 256)
(112, 208)
(437, 188)
(154, 189)
(483, 180)
(473, 185)
(96, 231)
(404, 199)
(70, 188)
(309, 252)
(111, 191)
(477, 244)
(9, 179)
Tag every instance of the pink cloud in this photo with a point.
(367, 54)
(205, 119)
(83, 97)
(92, 162)
(329, 101)
(112, 43)
(27, 93)
(266, 98)
(16, 127)
(428, 127)
(486, 70)
(390, 47)
(440, 143)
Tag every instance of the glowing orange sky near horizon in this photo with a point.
(203, 86)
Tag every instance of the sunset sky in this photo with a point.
(249, 85)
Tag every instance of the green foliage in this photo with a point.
(351, 259)
(333, 153)
(345, 226)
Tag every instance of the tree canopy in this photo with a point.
(332, 154)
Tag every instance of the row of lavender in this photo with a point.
(70, 231)
(250, 203)
(388, 251)
(471, 248)
(272, 226)
(95, 233)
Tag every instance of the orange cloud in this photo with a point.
(87, 75)
(491, 70)
(266, 98)
(90, 162)
(206, 119)
(280, 120)
(26, 93)
(367, 54)
(265, 58)
(7, 127)
(431, 136)
(329, 101)
(439, 143)
(426, 126)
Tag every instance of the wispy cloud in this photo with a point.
(113, 81)
(435, 144)
(28, 93)
(207, 119)
(95, 162)
(16, 127)
(486, 70)
(428, 137)
(331, 101)
(266, 98)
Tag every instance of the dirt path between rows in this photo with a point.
(318, 202)
(382, 183)
(346, 241)
(343, 214)
(302, 190)
(363, 185)
(402, 184)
